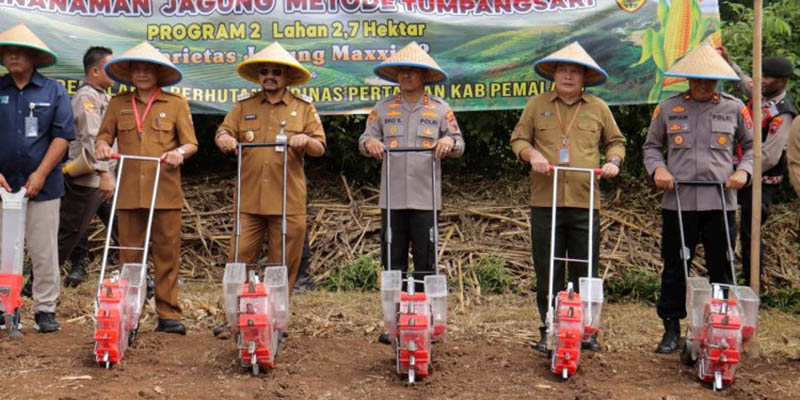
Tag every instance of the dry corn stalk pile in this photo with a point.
(481, 219)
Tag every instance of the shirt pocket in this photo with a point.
(393, 134)
(427, 132)
(722, 135)
(165, 130)
(588, 133)
(126, 133)
(546, 131)
(678, 135)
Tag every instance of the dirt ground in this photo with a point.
(332, 353)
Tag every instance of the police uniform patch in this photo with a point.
(748, 120)
(392, 113)
(394, 105)
(427, 132)
(88, 107)
(722, 140)
(678, 140)
(675, 127)
(715, 98)
(373, 116)
(426, 143)
(393, 144)
(430, 114)
(393, 130)
(678, 109)
(249, 136)
(451, 122)
(774, 125)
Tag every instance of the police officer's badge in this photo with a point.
(722, 140)
(426, 143)
(249, 136)
(678, 140)
(393, 144)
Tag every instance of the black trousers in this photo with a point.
(571, 240)
(78, 206)
(705, 227)
(745, 196)
(413, 227)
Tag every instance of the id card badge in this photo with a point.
(563, 155)
(31, 127)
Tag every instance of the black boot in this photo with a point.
(591, 344)
(171, 326)
(541, 346)
(672, 334)
(77, 275)
(384, 338)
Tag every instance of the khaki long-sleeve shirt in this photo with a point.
(256, 120)
(594, 130)
(166, 126)
(699, 139)
(397, 123)
(88, 106)
(793, 155)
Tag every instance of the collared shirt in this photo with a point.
(594, 130)
(699, 139)
(398, 123)
(166, 126)
(256, 120)
(88, 105)
(774, 142)
(21, 155)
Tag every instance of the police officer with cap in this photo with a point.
(778, 110)
(697, 129)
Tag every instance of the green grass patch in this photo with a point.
(492, 275)
(784, 299)
(633, 286)
(361, 275)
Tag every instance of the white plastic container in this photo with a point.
(698, 296)
(391, 285)
(13, 240)
(749, 303)
(436, 292)
(591, 292)
(276, 280)
(135, 282)
(232, 281)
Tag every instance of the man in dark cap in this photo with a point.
(778, 110)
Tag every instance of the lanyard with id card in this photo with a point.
(563, 150)
(31, 121)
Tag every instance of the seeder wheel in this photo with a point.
(686, 353)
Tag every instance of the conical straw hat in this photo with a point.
(119, 68)
(21, 36)
(703, 63)
(410, 56)
(275, 54)
(575, 54)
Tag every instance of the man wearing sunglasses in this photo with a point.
(262, 118)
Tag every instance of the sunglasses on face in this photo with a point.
(276, 71)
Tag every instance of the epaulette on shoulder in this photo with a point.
(303, 97)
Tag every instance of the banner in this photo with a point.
(486, 46)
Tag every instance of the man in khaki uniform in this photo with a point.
(698, 130)
(154, 123)
(261, 118)
(778, 111)
(85, 191)
(567, 127)
(412, 118)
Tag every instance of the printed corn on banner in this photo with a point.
(486, 46)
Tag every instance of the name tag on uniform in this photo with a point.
(563, 155)
(31, 127)
(248, 117)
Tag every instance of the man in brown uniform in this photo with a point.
(698, 129)
(566, 127)
(261, 118)
(150, 122)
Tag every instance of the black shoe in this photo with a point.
(591, 344)
(541, 345)
(219, 330)
(27, 290)
(76, 276)
(171, 326)
(672, 335)
(45, 322)
(384, 338)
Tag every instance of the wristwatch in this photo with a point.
(615, 161)
(181, 151)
